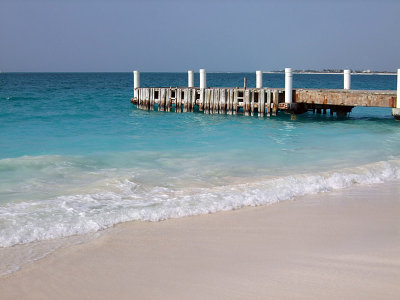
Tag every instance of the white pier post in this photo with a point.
(136, 82)
(288, 85)
(347, 79)
(259, 80)
(203, 79)
(398, 89)
(190, 78)
(396, 110)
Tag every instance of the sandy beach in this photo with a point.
(339, 245)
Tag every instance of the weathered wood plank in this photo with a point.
(228, 109)
(246, 102)
(151, 99)
(139, 98)
(147, 99)
(202, 100)
(261, 103)
(275, 101)
(212, 98)
(207, 101)
(222, 103)
(168, 99)
(235, 102)
(216, 101)
(178, 101)
(186, 97)
(161, 103)
(252, 102)
(231, 96)
(193, 101)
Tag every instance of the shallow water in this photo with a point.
(76, 157)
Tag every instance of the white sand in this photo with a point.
(342, 245)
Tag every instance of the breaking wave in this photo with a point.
(121, 199)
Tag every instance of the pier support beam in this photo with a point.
(190, 78)
(296, 108)
(136, 83)
(347, 79)
(203, 79)
(259, 79)
(288, 85)
(396, 111)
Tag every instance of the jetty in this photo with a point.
(261, 101)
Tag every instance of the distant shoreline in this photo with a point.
(333, 73)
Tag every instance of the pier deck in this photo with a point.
(258, 101)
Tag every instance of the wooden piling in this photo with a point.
(269, 98)
(222, 104)
(211, 103)
(235, 102)
(261, 103)
(178, 101)
(275, 99)
(212, 99)
(202, 100)
(252, 103)
(147, 99)
(139, 97)
(246, 102)
(142, 98)
(227, 101)
(185, 100)
(161, 103)
(230, 102)
(151, 99)
(216, 101)
(193, 101)
(207, 101)
(168, 100)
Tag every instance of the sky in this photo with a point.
(178, 35)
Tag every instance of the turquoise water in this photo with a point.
(77, 157)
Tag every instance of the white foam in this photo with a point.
(123, 199)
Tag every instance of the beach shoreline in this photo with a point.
(342, 244)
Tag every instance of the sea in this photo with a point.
(77, 158)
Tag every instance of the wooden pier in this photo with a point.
(259, 101)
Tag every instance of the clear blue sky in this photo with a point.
(180, 35)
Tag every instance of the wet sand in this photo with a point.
(339, 245)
